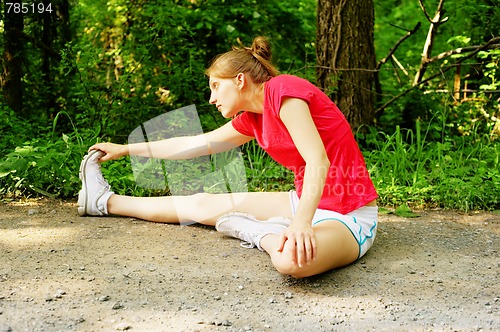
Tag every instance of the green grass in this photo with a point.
(457, 173)
(263, 173)
(407, 167)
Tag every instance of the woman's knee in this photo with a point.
(292, 269)
(334, 251)
(198, 206)
(285, 264)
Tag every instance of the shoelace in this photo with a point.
(248, 245)
(102, 181)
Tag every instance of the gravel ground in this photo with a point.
(61, 272)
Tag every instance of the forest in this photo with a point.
(426, 113)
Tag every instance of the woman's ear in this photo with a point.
(240, 80)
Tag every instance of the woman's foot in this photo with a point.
(93, 198)
(249, 229)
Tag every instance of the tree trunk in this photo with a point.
(435, 22)
(346, 57)
(13, 59)
(48, 35)
(55, 33)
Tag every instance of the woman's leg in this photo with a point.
(96, 198)
(336, 245)
(202, 208)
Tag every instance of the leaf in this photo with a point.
(487, 86)
(384, 211)
(405, 212)
(43, 192)
(5, 173)
(24, 150)
(65, 138)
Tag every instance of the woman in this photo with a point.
(331, 218)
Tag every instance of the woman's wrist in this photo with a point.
(125, 150)
(302, 218)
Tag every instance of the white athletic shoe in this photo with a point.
(249, 229)
(93, 198)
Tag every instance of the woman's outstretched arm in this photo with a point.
(186, 147)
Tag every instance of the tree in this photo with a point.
(54, 33)
(472, 64)
(11, 80)
(346, 56)
(33, 39)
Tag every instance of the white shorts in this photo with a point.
(361, 222)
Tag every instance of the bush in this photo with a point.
(407, 167)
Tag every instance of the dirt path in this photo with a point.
(60, 272)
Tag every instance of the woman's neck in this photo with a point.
(255, 98)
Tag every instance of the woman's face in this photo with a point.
(225, 95)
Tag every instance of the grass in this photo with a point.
(407, 167)
(456, 173)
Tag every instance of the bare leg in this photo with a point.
(203, 208)
(336, 247)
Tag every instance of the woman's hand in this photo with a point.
(112, 151)
(301, 243)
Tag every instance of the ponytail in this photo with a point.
(254, 60)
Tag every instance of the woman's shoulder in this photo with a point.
(286, 82)
(288, 86)
(287, 78)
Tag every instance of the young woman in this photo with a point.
(331, 218)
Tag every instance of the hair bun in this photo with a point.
(261, 48)
(254, 60)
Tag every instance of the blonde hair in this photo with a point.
(254, 60)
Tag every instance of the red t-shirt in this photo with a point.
(348, 185)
